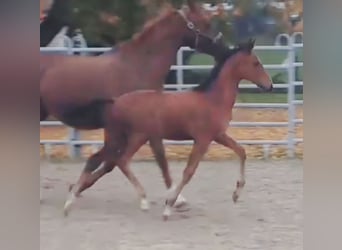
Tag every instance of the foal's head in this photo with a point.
(200, 33)
(246, 65)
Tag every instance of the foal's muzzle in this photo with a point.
(267, 89)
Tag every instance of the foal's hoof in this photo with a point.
(166, 213)
(144, 205)
(68, 204)
(181, 201)
(235, 197)
(165, 218)
(66, 210)
(71, 186)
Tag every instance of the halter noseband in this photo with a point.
(197, 31)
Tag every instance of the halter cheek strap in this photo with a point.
(192, 27)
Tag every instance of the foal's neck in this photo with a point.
(225, 89)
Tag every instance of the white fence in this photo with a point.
(75, 143)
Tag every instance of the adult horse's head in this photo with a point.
(248, 66)
(200, 34)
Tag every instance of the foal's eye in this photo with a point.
(256, 64)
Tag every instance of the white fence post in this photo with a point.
(291, 98)
(180, 79)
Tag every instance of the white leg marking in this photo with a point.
(239, 186)
(170, 196)
(167, 212)
(180, 201)
(69, 203)
(171, 192)
(144, 205)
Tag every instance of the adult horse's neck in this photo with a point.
(224, 90)
(153, 51)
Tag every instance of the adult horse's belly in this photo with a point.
(75, 95)
(69, 83)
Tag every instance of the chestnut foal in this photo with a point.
(201, 115)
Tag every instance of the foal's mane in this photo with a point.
(220, 61)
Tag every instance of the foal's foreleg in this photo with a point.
(159, 154)
(227, 141)
(198, 150)
(134, 143)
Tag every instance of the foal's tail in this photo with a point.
(118, 133)
(102, 107)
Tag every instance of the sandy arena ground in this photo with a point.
(107, 217)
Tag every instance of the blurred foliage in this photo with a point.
(106, 22)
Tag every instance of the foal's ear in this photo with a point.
(192, 4)
(252, 42)
(248, 46)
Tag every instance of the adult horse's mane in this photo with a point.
(151, 26)
(147, 30)
(220, 61)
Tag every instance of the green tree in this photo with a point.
(131, 13)
(88, 13)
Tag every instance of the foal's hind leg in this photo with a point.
(109, 153)
(135, 141)
(159, 153)
(86, 179)
(227, 141)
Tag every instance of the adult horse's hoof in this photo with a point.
(144, 205)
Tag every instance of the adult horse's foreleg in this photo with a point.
(227, 141)
(159, 154)
(198, 150)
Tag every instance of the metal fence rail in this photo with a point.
(74, 142)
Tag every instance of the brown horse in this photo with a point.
(77, 90)
(201, 115)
